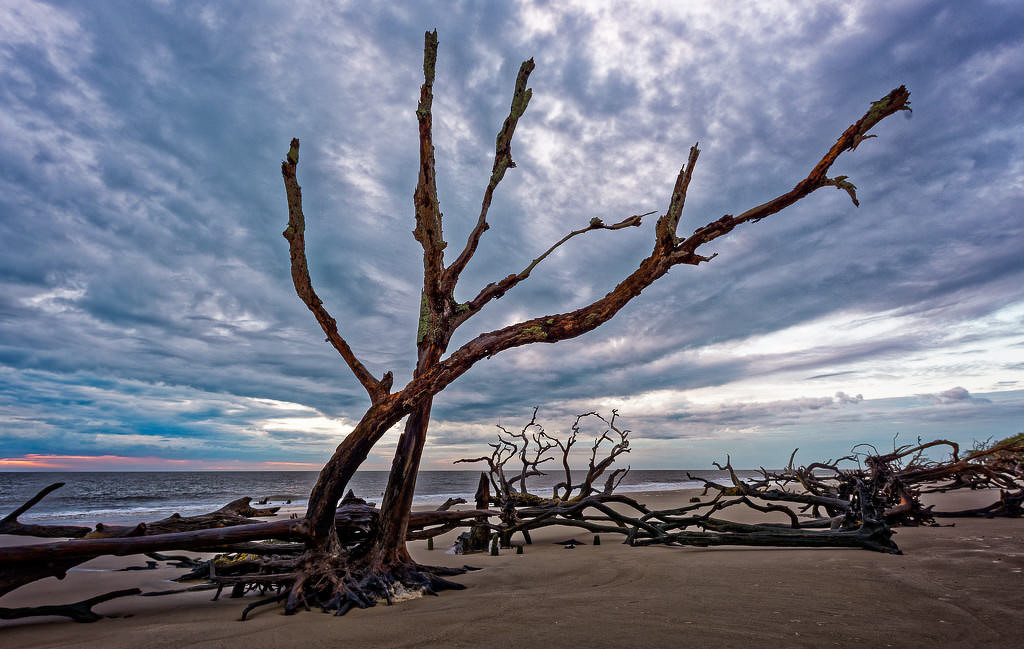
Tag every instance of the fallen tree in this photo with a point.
(857, 505)
(860, 505)
(220, 531)
(337, 577)
(580, 504)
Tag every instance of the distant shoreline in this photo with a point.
(131, 497)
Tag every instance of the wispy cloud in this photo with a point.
(146, 307)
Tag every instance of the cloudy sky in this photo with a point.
(147, 316)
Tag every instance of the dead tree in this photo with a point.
(901, 476)
(225, 530)
(533, 446)
(857, 522)
(337, 577)
(617, 444)
(894, 481)
(858, 504)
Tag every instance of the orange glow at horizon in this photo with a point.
(71, 462)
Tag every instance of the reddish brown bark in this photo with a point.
(329, 573)
(441, 315)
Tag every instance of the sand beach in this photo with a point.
(956, 586)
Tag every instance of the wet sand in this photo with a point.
(960, 586)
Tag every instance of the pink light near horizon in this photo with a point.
(49, 462)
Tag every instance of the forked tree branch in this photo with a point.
(895, 101)
(440, 315)
(562, 326)
(495, 290)
(502, 162)
(295, 233)
(665, 230)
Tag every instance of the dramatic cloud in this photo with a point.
(955, 395)
(147, 317)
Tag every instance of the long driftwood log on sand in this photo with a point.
(224, 529)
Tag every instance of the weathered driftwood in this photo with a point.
(857, 503)
(383, 565)
(79, 611)
(19, 569)
(451, 502)
(23, 564)
(226, 531)
(11, 525)
(1009, 505)
(237, 512)
(853, 519)
(898, 478)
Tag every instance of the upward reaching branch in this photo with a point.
(428, 211)
(562, 326)
(295, 233)
(502, 162)
(665, 230)
(895, 101)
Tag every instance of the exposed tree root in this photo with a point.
(338, 586)
(337, 582)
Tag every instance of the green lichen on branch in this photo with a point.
(424, 327)
(895, 101)
(503, 142)
(536, 331)
(429, 63)
(429, 56)
(500, 166)
(522, 95)
(878, 108)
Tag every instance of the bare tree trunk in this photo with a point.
(338, 578)
(383, 562)
(334, 477)
(389, 545)
(396, 507)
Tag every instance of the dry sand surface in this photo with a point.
(956, 586)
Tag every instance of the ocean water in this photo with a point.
(123, 497)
